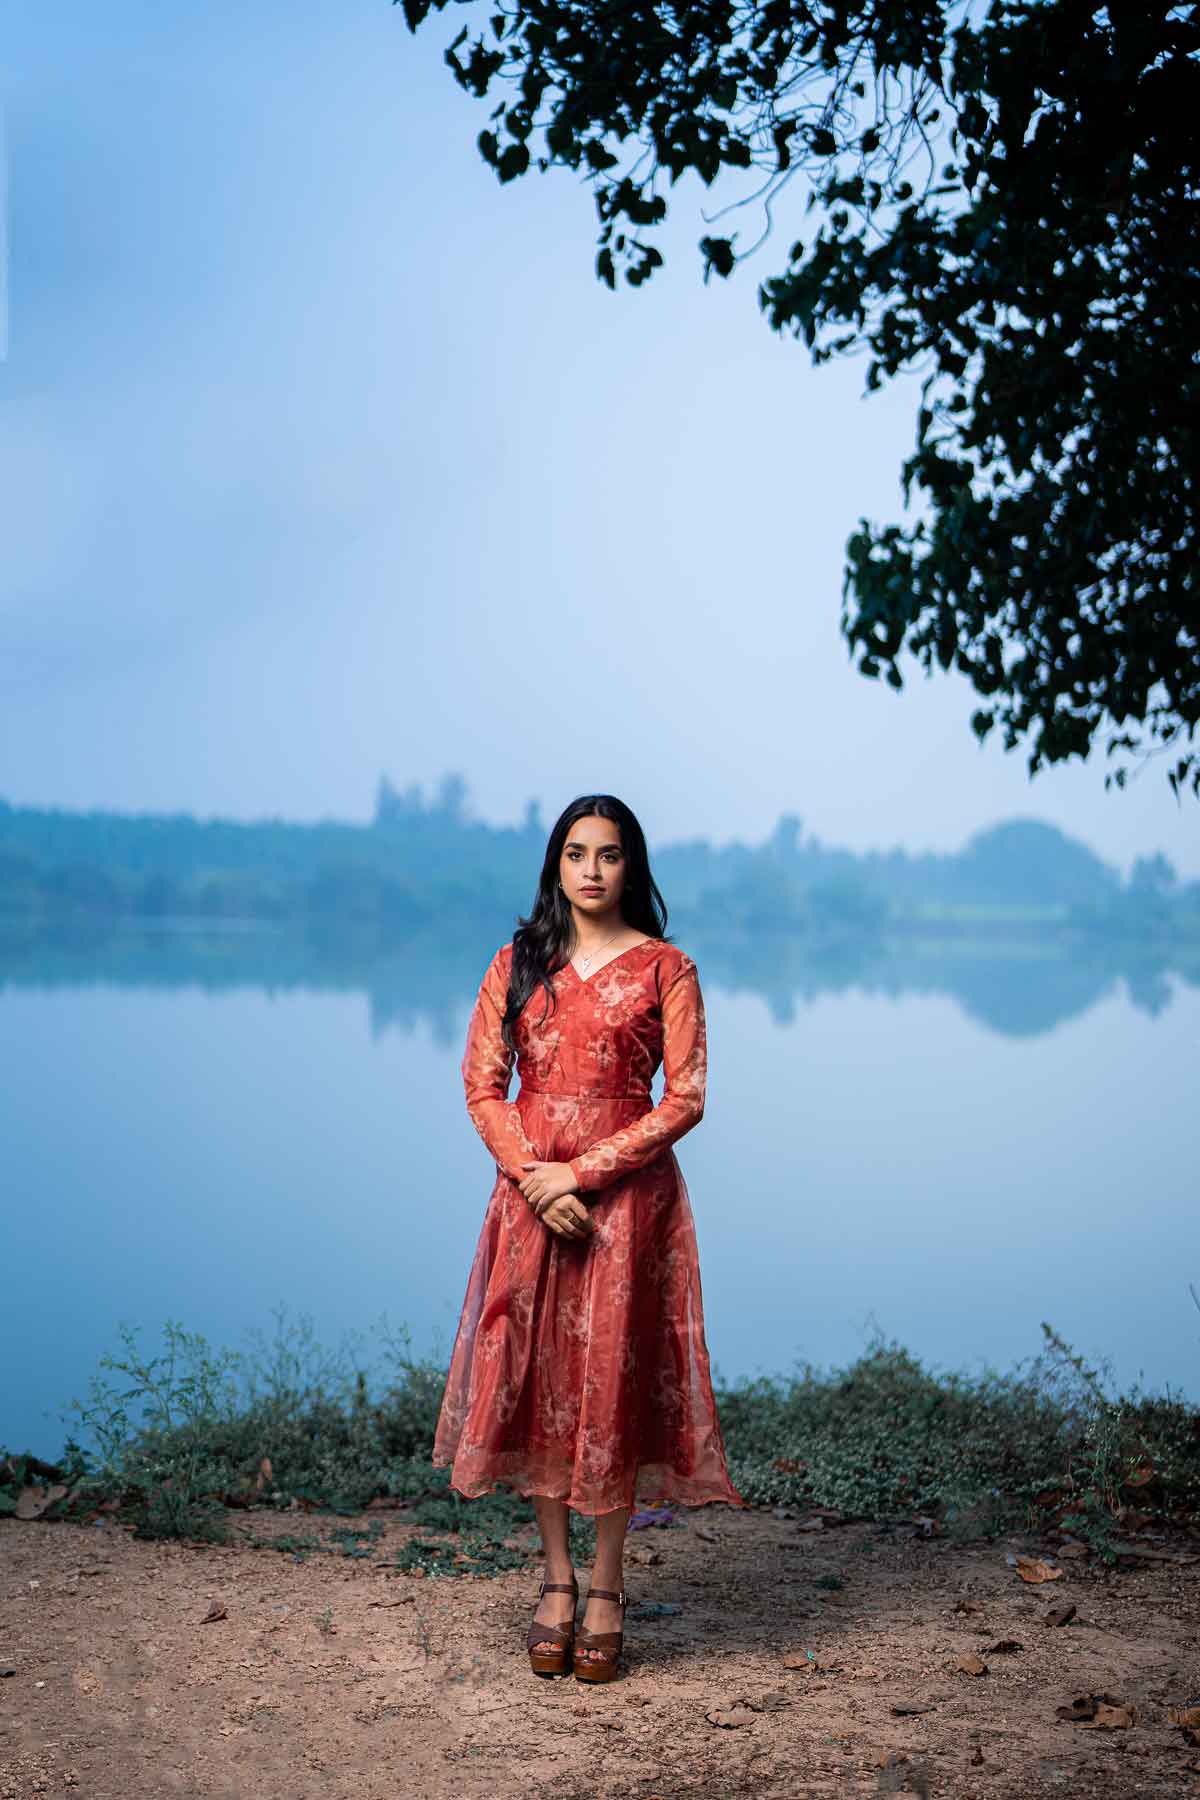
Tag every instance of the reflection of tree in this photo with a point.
(1020, 984)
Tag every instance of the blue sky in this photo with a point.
(321, 455)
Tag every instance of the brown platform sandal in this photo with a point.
(552, 1662)
(605, 1666)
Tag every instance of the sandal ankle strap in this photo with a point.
(559, 1587)
(606, 1594)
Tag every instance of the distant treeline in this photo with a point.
(419, 861)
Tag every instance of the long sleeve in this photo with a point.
(685, 1068)
(487, 1071)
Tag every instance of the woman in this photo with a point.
(579, 1373)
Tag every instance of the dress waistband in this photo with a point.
(533, 1087)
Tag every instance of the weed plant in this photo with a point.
(173, 1438)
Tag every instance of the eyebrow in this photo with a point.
(574, 844)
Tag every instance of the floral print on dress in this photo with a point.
(579, 1367)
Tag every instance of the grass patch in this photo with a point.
(171, 1440)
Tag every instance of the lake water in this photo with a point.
(944, 1143)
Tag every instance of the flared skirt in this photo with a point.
(579, 1367)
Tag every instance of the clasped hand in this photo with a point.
(551, 1191)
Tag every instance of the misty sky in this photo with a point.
(323, 455)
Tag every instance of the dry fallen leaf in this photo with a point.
(216, 1611)
(776, 1700)
(904, 1707)
(808, 1660)
(1061, 1615)
(1034, 1568)
(970, 1664)
(1110, 1718)
(729, 1718)
(1005, 1647)
(1088, 1708)
(1187, 1719)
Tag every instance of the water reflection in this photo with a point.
(949, 1136)
(1019, 983)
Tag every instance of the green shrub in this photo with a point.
(178, 1436)
(979, 1453)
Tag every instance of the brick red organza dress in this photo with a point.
(579, 1367)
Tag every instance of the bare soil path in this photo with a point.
(331, 1678)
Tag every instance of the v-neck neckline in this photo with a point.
(587, 980)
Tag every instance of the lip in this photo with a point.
(591, 890)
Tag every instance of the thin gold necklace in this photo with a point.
(587, 960)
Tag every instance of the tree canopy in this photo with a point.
(1002, 204)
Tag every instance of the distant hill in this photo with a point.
(423, 859)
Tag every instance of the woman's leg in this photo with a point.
(607, 1572)
(554, 1609)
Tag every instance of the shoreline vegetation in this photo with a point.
(172, 1442)
(422, 863)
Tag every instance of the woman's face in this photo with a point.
(592, 866)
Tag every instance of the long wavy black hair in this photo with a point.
(543, 942)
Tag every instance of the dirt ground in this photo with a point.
(330, 1678)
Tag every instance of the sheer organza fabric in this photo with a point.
(579, 1368)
